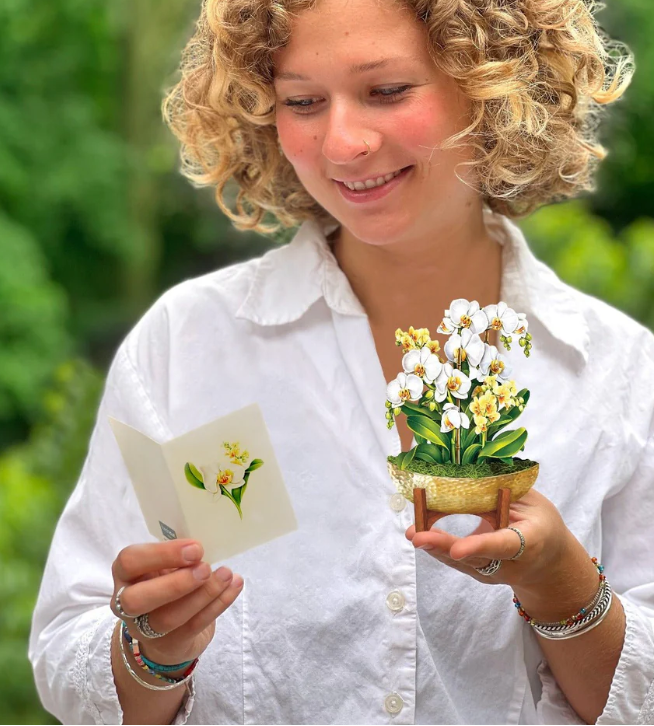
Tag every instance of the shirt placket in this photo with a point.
(397, 602)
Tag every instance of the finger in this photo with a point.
(138, 560)
(436, 539)
(501, 545)
(148, 595)
(174, 615)
(202, 619)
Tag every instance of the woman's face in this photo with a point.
(401, 105)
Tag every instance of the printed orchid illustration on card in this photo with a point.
(461, 407)
(225, 480)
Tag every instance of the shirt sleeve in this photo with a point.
(72, 624)
(628, 559)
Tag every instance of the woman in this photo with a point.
(460, 114)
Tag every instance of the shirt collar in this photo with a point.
(288, 280)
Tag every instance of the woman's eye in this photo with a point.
(386, 95)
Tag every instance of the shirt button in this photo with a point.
(393, 703)
(395, 601)
(397, 502)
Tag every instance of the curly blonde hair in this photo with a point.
(536, 72)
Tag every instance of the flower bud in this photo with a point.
(521, 408)
(397, 411)
(429, 394)
(388, 404)
(528, 336)
(432, 406)
(389, 415)
(522, 342)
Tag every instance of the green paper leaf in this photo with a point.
(254, 464)
(232, 496)
(468, 438)
(470, 454)
(193, 476)
(429, 453)
(505, 445)
(428, 429)
(408, 457)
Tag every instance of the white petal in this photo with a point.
(425, 354)
(474, 307)
(433, 368)
(501, 307)
(491, 311)
(440, 394)
(479, 323)
(410, 360)
(415, 386)
(475, 374)
(447, 326)
(465, 421)
(392, 393)
(401, 379)
(475, 350)
(444, 427)
(448, 406)
(509, 321)
(505, 375)
(452, 344)
(457, 309)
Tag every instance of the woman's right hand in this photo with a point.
(183, 598)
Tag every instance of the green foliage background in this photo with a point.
(95, 222)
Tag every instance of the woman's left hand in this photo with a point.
(547, 540)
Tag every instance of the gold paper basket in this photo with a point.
(463, 496)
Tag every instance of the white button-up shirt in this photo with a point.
(343, 621)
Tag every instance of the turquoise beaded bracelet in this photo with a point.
(157, 667)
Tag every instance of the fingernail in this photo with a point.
(425, 547)
(237, 581)
(191, 553)
(224, 573)
(201, 572)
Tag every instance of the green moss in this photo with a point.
(488, 467)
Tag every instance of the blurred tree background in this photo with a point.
(95, 222)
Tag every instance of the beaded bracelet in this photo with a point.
(145, 684)
(574, 618)
(134, 648)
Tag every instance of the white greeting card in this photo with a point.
(219, 484)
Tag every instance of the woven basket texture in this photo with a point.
(463, 496)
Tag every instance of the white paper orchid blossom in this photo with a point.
(423, 364)
(502, 317)
(494, 363)
(470, 345)
(453, 381)
(406, 387)
(465, 314)
(214, 475)
(523, 324)
(453, 418)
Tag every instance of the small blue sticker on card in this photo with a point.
(168, 532)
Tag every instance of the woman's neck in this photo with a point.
(412, 282)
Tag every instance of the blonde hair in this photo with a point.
(536, 72)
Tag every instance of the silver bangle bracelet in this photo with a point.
(591, 620)
(579, 632)
(137, 678)
(598, 596)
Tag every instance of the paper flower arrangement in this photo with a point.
(459, 406)
(223, 479)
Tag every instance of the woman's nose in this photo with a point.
(345, 139)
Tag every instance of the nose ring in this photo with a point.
(365, 153)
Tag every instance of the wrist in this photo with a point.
(568, 585)
(134, 653)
